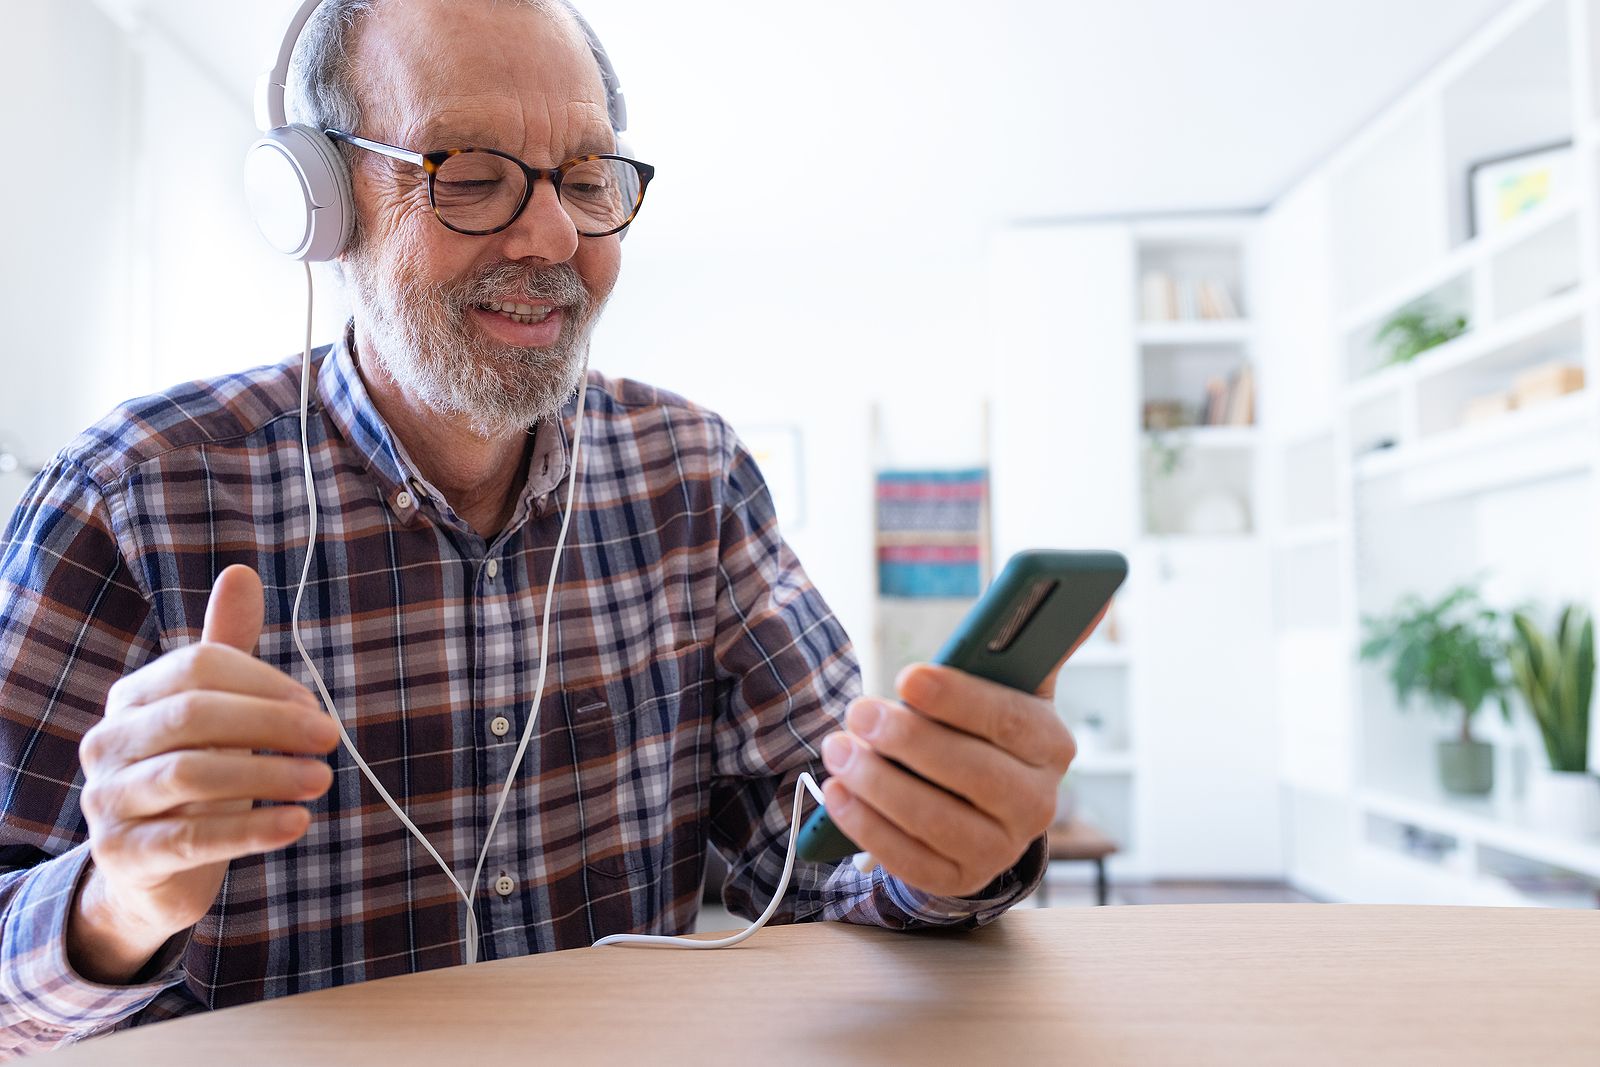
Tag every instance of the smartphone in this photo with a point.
(1040, 606)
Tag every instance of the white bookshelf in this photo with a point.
(1383, 226)
(1241, 692)
(1170, 744)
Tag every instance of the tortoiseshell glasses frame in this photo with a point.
(431, 162)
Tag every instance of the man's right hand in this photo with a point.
(170, 777)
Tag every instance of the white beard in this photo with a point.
(421, 337)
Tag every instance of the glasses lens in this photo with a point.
(600, 194)
(477, 191)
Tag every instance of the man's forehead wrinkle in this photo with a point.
(501, 49)
(517, 125)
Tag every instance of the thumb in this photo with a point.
(236, 610)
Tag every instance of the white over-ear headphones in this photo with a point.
(296, 180)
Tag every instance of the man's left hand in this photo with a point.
(993, 757)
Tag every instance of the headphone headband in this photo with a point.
(295, 177)
(272, 87)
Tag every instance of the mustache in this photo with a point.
(557, 284)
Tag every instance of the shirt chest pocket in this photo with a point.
(624, 737)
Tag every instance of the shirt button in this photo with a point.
(500, 726)
(493, 568)
(402, 500)
(504, 885)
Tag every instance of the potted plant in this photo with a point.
(1449, 652)
(1163, 458)
(1412, 331)
(1554, 674)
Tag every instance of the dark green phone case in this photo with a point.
(1038, 607)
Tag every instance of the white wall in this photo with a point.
(65, 186)
(888, 137)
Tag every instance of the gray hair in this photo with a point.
(321, 87)
(321, 90)
(322, 82)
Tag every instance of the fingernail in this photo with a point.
(315, 776)
(837, 751)
(863, 718)
(321, 730)
(919, 686)
(840, 798)
(288, 819)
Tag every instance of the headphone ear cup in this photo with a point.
(298, 188)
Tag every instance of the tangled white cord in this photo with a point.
(468, 892)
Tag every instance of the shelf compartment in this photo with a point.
(1378, 425)
(1451, 296)
(1310, 483)
(1554, 439)
(1448, 279)
(1093, 702)
(1545, 884)
(1542, 264)
(1517, 96)
(1549, 333)
(1182, 373)
(1192, 499)
(1388, 213)
(1520, 340)
(1487, 823)
(1186, 262)
(1416, 842)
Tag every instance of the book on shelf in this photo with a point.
(1159, 297)
(1216, 302)
(1231, 401)
(1166, 298)
(1242, 397)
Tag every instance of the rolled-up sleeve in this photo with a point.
(72, 621)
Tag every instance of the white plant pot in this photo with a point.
(1565, 802)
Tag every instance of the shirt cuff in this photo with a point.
(37, 978)
(999, 895)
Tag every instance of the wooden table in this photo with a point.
(1225, 984)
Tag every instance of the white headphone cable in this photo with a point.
(805, 784)
(471, 932)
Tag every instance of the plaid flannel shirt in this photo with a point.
(693, 672)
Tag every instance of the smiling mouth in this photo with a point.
(523, 313)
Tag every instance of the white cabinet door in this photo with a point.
(1208, 791)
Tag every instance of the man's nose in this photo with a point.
(544, 230)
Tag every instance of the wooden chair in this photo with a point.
(1077, 840)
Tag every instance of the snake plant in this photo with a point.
(1555, 675)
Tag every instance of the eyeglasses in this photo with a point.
(479, 191)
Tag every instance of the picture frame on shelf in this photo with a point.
(1503, 188)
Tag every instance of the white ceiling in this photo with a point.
(1069, 107)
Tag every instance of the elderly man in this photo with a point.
(150, 693)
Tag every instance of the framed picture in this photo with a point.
(1505, 187)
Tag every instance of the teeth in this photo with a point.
(524, 313)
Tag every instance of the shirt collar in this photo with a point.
(347, 403)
